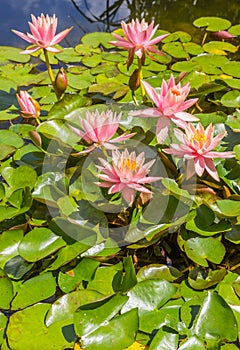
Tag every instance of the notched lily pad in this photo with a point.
(212, 24)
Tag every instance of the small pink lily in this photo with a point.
(138, 39)
(170, 106)
(43, 30)
(99, 128)
(127, 174)
(30, 107)
(196, 146)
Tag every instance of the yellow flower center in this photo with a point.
(129, 163)
(199, 136)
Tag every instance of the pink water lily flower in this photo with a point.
(30, 107)
(99, 128)
(127, 174)
(138, 39)
(43, 30)
(196, 146)
(170, 106)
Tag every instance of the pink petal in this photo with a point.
(23, 36)
(190, 169)
(157, 39)
(128, 195)
(211, 169)
(116, 188)
(60, 36)
(152, 93)
(199, 164)
(162, 129)
(31, 50)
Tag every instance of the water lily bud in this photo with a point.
(30, 108)
(61, 82)
(134, 80)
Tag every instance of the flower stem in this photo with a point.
(50, 72)
(141, 77)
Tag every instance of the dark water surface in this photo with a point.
(94, 15)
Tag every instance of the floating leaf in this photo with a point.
(63, 309)
(231, 99)
(39, 243)
(23, 324)
(219, 48)
(118, 334)
(201, 249)
(209, 325)
(212, 24)
(6, 288)
(34, 290)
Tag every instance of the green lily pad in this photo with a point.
(213, 24)
(30, 321)
(9, 241)
(201, 249)
(175, 49)
(231, 99)
(200, 279)
(68, 55)
(63, 309)
(39, 243)
(235, 30)
(98, 38)
(8, 53)
(164, 340)
(34, 290)
(6, 288)
(209, 323)
(228, 207)
(231, 68)
(219, 47)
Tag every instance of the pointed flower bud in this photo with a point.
(134, 80)
(61, 82)
(30, 108)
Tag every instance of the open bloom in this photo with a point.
(170, 106)
(43, 30)
(138, 39)
(196, 146)
(127, 174)
(99, 128)
(30, 107)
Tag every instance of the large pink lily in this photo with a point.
(196, 146)
(43, 30)
(127, 174)
(138, 39)
(170, 106)
(99, 128)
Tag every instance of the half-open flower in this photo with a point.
(29, 107)
(196, 146)
(139, 39)
(127, 174)
(43, 30)
(98, 129)
(170, 106)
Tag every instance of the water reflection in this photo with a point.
(92, 15)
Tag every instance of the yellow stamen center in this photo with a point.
(176, 91)
(199, 136)
(129, 163)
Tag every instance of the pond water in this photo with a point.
(94, 15)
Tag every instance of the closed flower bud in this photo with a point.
(61, 82)
(134, 80)
(30, 108)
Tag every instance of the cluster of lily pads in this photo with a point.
(120, 189)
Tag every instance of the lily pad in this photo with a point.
(213, 24)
